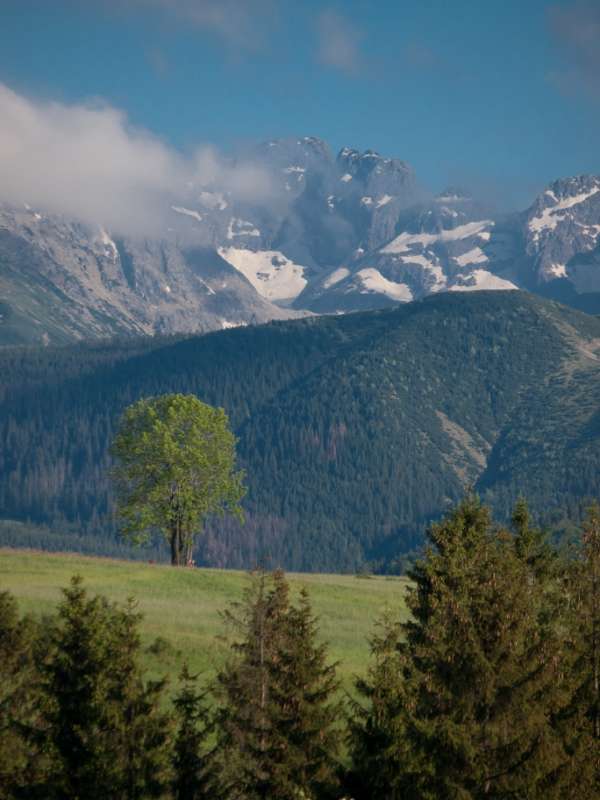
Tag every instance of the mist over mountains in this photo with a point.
(288, 230)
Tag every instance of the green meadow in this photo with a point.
(182, 607)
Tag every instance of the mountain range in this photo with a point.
(341, 234)
(355, 430)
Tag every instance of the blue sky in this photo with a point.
(500, 96)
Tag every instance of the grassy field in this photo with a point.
(183, 605)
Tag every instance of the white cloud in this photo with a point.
(87, 162)
(338, 42)
(245, 180)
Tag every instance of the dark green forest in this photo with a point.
(355, 431)
(488, 690)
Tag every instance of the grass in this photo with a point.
(182, 606)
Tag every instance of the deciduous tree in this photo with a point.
(175, 464)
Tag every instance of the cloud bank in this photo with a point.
(88, 163)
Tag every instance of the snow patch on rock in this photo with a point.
(433, 268)
(474, 256)
(241, 227)
(481, 279)
(335, 277)
(373, 281)
(187, 212)
(549, 218)
(272, 274)
(226, 324)
(557, 270)
(110, 248)
(402, 243)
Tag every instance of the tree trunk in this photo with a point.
(173, 548)
(176, 546)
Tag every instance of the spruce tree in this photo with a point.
(275, 728)
(377, 727)
(141, 728)
(477, 674)
(532, 547)
(190, 780)
(303, 689)
(579, 724)
(246, 754)
(103, 722)
(22, 762)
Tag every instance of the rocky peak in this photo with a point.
(308, 152)
(370, 163)
(563, 221)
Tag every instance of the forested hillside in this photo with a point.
(355, 431)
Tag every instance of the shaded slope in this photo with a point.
(373, 444)
(355, 431)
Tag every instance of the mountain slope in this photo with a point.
(355, 431)
(332, 235)
(61, 281)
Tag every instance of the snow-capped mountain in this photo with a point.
(334, 235)
(444, 245)
(562, 231)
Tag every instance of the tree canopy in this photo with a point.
(463, 695)
(175, 464)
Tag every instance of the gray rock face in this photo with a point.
(448, 244)
(61, 281)
(562, 228)
(334, 235)
(372, 190)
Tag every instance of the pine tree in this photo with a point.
(190, 780)
(103, 722)
(477, 672)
